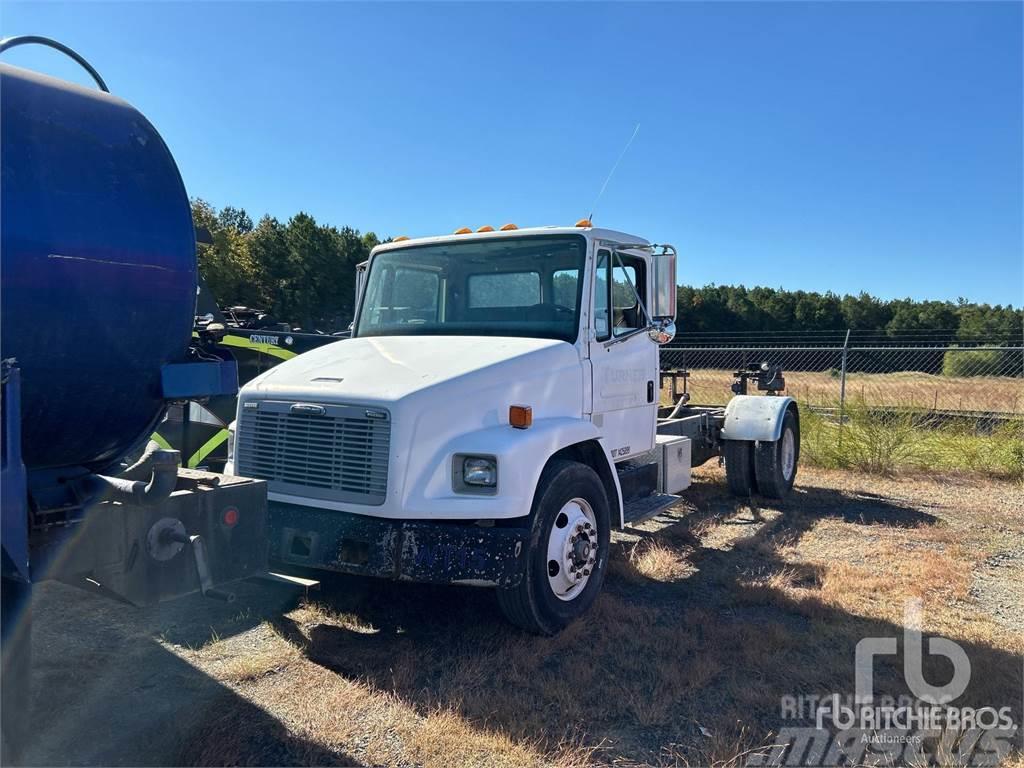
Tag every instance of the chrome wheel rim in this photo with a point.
(788, 453)
(572, 549)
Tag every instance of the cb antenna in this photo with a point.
(611, 173)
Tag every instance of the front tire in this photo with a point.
(775, 464)
(568, 551)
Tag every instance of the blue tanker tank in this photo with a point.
(98, 265)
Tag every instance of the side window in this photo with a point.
(505, 289)
(601, 324)
(627, 314)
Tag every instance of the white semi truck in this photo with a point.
(494, 415)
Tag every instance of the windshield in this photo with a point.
(528, 286)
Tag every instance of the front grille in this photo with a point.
(335, 452)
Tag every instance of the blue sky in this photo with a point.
(823, 146)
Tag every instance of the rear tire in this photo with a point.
(570, 535)
(739, 467)
(775, 464)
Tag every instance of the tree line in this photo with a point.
(300, 271)
(303, 272)
(738, 309)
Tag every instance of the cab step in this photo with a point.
(644, 508)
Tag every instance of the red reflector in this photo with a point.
(230, 517)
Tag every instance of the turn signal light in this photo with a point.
(520, 416)
(508, 227)
(463, 231)
(400, 238)
(583, 223)
(486, 228)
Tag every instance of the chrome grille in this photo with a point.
(335, 452)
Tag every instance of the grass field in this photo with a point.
(921, 391)
(892, 443)
(710, 615)
(889, 425)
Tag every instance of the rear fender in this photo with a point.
(755, 417)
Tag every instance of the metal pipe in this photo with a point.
(678, 409)
(842, 387)
(164, 464)
(13, 42)
(140, 470)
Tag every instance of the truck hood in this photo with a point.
(386, 369)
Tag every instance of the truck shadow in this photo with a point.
(107, 692)
(656, 665)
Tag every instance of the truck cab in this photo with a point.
(494, 415)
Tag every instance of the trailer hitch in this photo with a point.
(766, 376)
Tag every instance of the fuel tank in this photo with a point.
(98, 268)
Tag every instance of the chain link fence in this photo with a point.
(881, 403)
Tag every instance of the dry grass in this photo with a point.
(272, 656)
(707, 620)
(891, 441)
(652, 559)
(703, 626)
(908, 389)
(446, 738)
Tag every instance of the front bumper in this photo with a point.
(436, 552)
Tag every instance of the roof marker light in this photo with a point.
(486, 228)
(463, 231)
(583, 223)
(508, 227)
(400, 239)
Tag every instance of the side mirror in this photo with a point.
(662, 331)
(663, 300)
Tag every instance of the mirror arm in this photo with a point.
(625, 337)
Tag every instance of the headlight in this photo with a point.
(480, 471)
(475, 474)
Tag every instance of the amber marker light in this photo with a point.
(520, 416)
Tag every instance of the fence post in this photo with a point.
(842, 387)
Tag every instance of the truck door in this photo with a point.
(624, 360)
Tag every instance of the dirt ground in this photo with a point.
(711, 614)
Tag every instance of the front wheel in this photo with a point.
(775, 463)
(568, 552)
